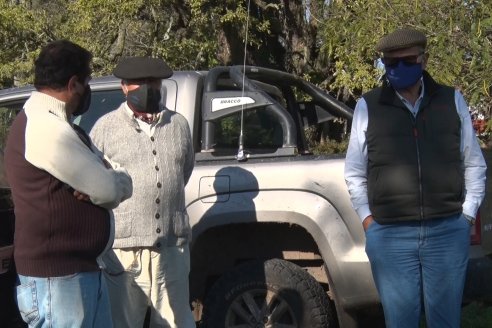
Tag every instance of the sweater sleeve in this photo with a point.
(190, 156)
(97, 134)
(52, 145)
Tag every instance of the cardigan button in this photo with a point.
(158, 245)
(157, 201)
(157, 168)
(158, 230)
(157, 216)
(154, 152)
(152, 138)
(159, 184)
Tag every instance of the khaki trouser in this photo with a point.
(142, 277)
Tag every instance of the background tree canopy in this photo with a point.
(330, 43)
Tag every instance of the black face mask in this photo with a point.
(144, 99)
(85, 102)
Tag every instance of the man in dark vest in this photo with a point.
(416, 176)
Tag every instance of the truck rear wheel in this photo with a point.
(274, 293)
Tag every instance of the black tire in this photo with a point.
(274, 293)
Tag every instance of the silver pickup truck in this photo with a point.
(276, 242)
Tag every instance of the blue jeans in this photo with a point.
(420, 263)
(78, 300)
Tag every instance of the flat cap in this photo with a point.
(401, 39)
(134, 68)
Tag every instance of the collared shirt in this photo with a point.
(147, 128)
(414, 109)
(356, 159)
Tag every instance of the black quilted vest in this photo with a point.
(414, 163)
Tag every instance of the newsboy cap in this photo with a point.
(401, 39)
(134, 68)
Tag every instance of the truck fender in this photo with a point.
(344, 257)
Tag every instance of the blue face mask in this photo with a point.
(402, 76)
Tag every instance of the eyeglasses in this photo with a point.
(406, 60)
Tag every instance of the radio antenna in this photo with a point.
(241, 156)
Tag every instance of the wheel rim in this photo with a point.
(260, 308)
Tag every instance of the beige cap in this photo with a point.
(401, 39)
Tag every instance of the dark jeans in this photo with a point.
(9, 313)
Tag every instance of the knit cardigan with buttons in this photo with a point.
(160, 167)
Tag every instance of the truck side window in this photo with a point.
(7, 116)
(102, 102)
(260, 131)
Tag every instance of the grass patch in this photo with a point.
(474, 315)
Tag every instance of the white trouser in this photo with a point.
(140, 277)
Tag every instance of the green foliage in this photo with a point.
(330, 43)
(21, 34)
(459, 42)
(190, 34)
(330, 147)
(473, 315)
(477, 315)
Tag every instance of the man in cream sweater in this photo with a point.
(151, 261)
(63, 192)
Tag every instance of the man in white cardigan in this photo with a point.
(151, 262)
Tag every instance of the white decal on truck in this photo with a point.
(223, 103)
